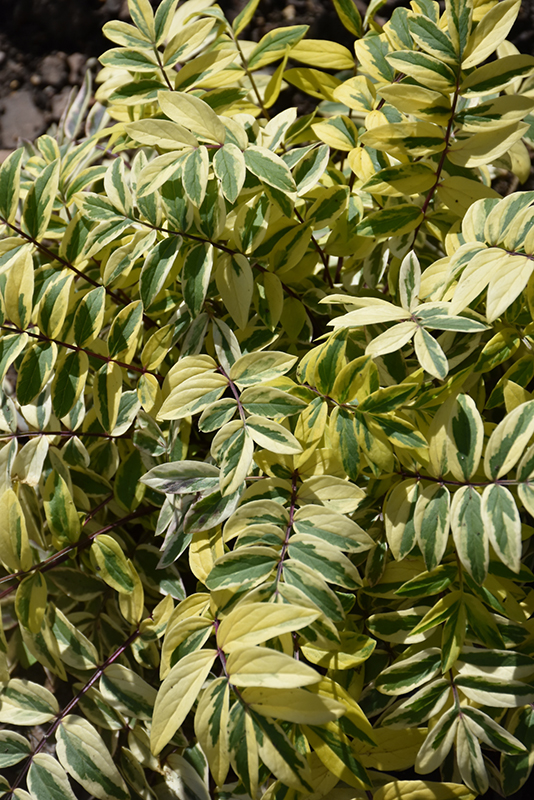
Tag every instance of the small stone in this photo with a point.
(21, 119)
(289, 13)
(53, 69)
(59, 102)
(35, 80)
(76, 62)
(15, 67)
(14, 85)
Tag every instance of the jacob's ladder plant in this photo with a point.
(267, 472)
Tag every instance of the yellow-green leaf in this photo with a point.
(177, 694)
(211, 727)
(260, 666)
(30, 601)
(111, 563)
(83, 754)
(255, 623)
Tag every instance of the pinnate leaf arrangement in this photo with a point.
(267, 472)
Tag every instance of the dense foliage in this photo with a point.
(267, 472)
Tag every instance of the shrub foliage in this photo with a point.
(267, 472)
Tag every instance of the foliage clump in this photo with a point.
(267, 472)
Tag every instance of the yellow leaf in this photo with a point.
(423, 790)
(352, 651)
(193, 396)
(149, 393)
(329, 688)
(205, 548)
(261, 666)
(357, 93)
(401, 138)
(194, 113)
(492, 29)
(410, 178)
(418, 100)
(186, 37)
(506, 284)
(177, 694)
(322, 53)
(476, 276)
(214, 705)
(18, 293)
(294, 705)
(28, 464)
(458, 193)
(370, 314)
(235, 284)
(132, 604)
(519, 159)
(483, 148)
(514, 395)
(30, 602)
(339, 132)
(392, 339)
(334, 749)
(14, 544)
(176, 633)
(188, 367)
(313, 81)
(272, 89)
(395, 749)
(254, 623)
(337, 494)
